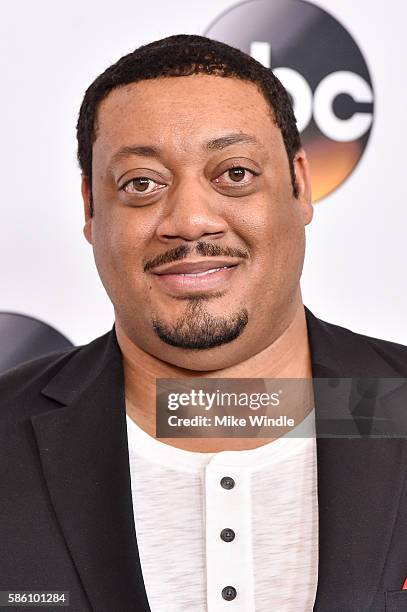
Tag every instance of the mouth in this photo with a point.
(200, 276)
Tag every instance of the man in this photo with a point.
(196, 193)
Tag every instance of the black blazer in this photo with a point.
(66, 517)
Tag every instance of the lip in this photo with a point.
(190, 267)
(176, 283)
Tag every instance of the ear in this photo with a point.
(303, 180)
(87, 207)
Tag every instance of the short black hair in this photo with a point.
(184, 55)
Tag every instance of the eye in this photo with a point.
(238, 175)
(141, 185)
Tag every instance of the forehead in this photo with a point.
(183, 112)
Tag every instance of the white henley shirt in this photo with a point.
(257, 532)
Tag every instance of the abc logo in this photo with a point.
(324, 71)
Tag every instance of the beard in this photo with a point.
(199, 330)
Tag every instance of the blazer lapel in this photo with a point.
(360, 480)
(84, 456)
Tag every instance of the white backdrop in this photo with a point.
(355, 269)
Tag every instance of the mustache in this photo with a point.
(207, 249)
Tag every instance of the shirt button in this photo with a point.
(229, 593)
(227, 535)
(227, 482)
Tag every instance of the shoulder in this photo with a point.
(27, 380)
(21, 387)
(381, 346)
(369, 352)
(393, 353)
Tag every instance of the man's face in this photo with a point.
(190, 174)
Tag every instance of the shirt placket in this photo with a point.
(228, 536)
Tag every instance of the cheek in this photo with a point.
(119, 247)
(272, 228)
(267, 222)
(121, 235)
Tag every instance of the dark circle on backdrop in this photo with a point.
(23, 338)
(319, 60)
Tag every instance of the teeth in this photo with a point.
(205, 272)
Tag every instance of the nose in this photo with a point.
(192, 212)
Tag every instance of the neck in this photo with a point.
(287, 357)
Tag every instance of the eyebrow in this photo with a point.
(215, 144)
(139, 150)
